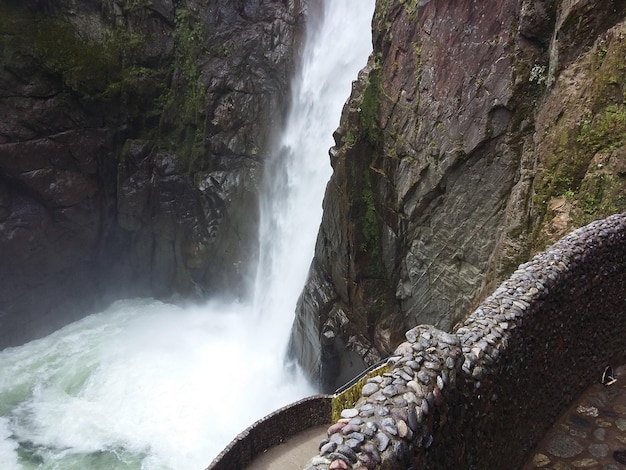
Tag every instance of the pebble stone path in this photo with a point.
(591, 434)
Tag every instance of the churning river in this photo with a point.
(153, 386)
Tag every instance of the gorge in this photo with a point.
(136, 136)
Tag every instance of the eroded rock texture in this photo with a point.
(478, 133)
(131, 144)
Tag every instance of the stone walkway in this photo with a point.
(590, 434)
(292, 454)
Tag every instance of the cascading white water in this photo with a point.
(152, 386)
(296, 178)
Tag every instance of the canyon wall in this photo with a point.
(131, 147)
(477, 134)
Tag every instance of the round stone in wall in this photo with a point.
(564, 446)
(599, 434)
(349, 413)
(369, 389)
(541, 460)
(599, 450)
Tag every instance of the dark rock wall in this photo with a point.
(477, 134)
(131, 145)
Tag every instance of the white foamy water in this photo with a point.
(152, 386)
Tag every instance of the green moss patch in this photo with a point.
(370, 106)
(349, 398)
(586, 148)
(607, 131)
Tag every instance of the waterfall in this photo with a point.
(153, 386)
(295, 178)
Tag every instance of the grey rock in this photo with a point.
(357, 436)
(389, 425)
(348, 452)
(404, 375)
(423, 377)
(564, 446)
(412, 419)
(400, 402)
(426, 441)
(599, 451)
(599, 434)
(354, 444)
(370, 429)
(369, 389)
(414, 365)
(400, 450)
(383, 441)
(390, 391)
(328, 448)
(339, 456)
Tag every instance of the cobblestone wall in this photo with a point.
(482, 397)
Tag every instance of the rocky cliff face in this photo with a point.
(477, 133)
(131, 143)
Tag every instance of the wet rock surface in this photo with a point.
(131, 147)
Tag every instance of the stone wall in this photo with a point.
(482, 397)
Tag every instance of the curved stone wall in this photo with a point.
(272, 430)
(482, 397)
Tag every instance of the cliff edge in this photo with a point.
(477, 134)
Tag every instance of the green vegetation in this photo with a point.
(538, 74)
(584, 163)
(607, 131)
(593, 192)
(411, 8)
(350, 139)
(188, 133)
(51, 43)
(371, 229)
(370, 106)
(348, 398)
(381, 13)
(370, 242)
(419, 68)
(164, 102)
